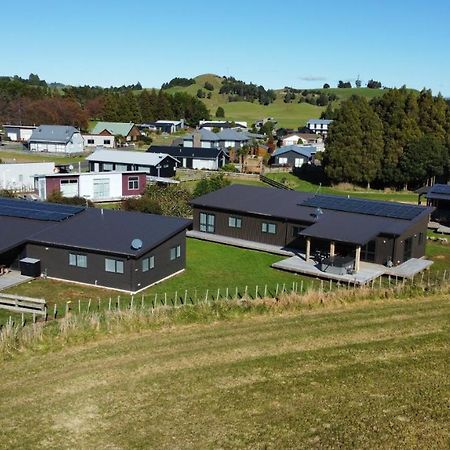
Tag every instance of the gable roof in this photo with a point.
(320, 121)
(304, 150)
(343, 226)
(128, 157)
(60, 134)
(115, 128)
(187, 152)
(228, 134)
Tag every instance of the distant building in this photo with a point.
(293, 155)
(227, 138)
(56, 139)
(319, 126)
(154, 164)
(221, 125)
(94, 186)
(129, 131)
(438, 196)
(19, 133)
(304, 139)
(164, 126)
(20, 177)
(99, 140)
(194, 157)
(261, 122)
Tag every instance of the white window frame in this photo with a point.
(208, 225)
(133, 183)
(175, 253)
(269, 228)
(235, 222)
(78, 260)
(148, 263)
(118, 264)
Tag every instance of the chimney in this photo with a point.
(196, 139)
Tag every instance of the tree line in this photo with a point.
(33, 101)
(401, 139)
(238, 90)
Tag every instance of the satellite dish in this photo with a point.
(136, 244)
(71, 167)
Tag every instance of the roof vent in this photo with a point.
(136, 244)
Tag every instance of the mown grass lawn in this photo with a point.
(23, 156)
(370, 375)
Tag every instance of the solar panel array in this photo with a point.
(441, 189)
(36, 210)
(360, 206)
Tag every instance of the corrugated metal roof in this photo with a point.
(304, 150)
(127, 157)
(186, 152)
(53, 133)
(115, 128)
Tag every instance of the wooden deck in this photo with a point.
(11, 279)
(241, 243)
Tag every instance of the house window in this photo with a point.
(107, 167)
(113, 265)
(148, 263)
(175, 252)
(282, 160)
(234, 222)
(298, 162)
(77, 260)
(106, 141)
(133, 183)
(207, 222)
(90, 141)
(368, 251)
(270, 228)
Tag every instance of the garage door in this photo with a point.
(69, 188)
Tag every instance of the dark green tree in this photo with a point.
(210, 184)
(220, 112)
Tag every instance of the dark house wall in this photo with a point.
(167, 170)
(55, 263)
(418, 241)
(290, 157)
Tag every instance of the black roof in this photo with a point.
(342, 226)
(187, 152)
(109, 231)
(439, 192)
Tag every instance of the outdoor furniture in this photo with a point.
(338, 265)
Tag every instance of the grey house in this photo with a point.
(293, 155)
(227, 138)
(127, 251)
(56, 139)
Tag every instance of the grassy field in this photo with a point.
(23, 156)
(290, 115)
(371, 374)
(371, 194)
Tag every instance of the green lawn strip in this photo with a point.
(360, 376)
(22, 156)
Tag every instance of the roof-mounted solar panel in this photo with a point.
(37, 210)
(360, 206)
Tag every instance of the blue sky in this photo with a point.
(296, 43)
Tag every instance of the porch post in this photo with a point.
(308, 248)
(332, 248)
(357, 257)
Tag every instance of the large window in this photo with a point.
(106, 142)
(234, 222)
(270, 228)
(175, 252)
(282, 160)
(368, 251)
(133, 183)
(77, 260)
(148, 263)
(207, 222)
(107, 167)
(113, 265)
(90, 141)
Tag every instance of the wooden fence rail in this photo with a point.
(21, 304)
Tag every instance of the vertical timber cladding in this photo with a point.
(251, 226)
(417, 234)
(55, 263)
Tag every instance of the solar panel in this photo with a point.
(441, 189)
(37, 210)
(360, 206)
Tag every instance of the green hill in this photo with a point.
(291, 115)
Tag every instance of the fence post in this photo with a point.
(131, 303)
(79, 306)
(236, 296)
(301, 287)
(175, 299)
(218, 294)
(109, 304)
(165, 298)
(54, 310)
(444, 274)
(265, 290)
(89, 305)
(256, 292)
(23, 319)
(206, 296)
(118, 302)
(284, 288)
(34, 318)
(195, 295)
(331, 284)
(142, 302)
(246, 291)
(185, 296)
(276, 290)
(67, 309)
(226, 294)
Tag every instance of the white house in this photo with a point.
(293, 139)
(20, 177)
(210, 125)
(94, 186)
(98, 140)
(19, 133)
(319, 126)
(56, 139)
